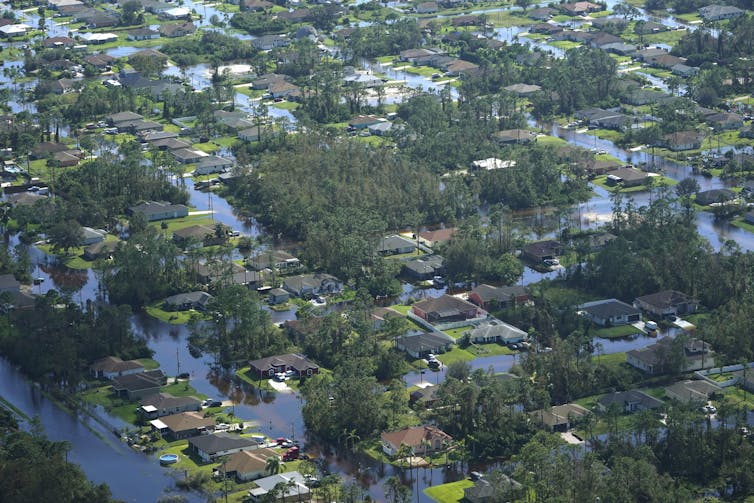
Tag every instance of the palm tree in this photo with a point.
(273, 465)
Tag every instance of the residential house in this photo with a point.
(165, 404)
(264, 81)
(111, 367)
(212, 164)
(580, 8)
(203, 234)
(540, 251)
(545, 28)
(667, 303)
(627, 177)
(293, 486)
(523, 90)
(716, 12)
(420, 439)
(490, 297)
(91, 236)
(724, 121)
(153, 211)
(559, 417)
(446, 309)
(426, 8)
(249, 134)
(714, 196)
(431, 238)
(683, 140)
(122, 117)
(749, 217)
(610, 312)
(279, 259)
(515, 136)
(57, 42)
(283, 89)
(601, 39)
(484, 491)
(542, 14)
(619, 48)
(425, 267)
(222, 272)
(629, 401)
(692, 391)
(247, 464)
(296, 15)
(14, 30)
(183, 425)
(364, 121)
(380, 315)
(683, 70)
(99, 38)
(213, 446)
(460, 68)
(269, 42)
(496, 331)
(143, 34)
(362, 80)
(255, 5)
(308, 285)
(46, 149)
(271, 365)
(68, 158)
(425, 397)
(189, 155)
(420, 345)
(657, 358)
(409, 55)
(175, 13)
(135, 386)
(175, 30)
(184, 301)
(99, 61)
(277, 296)
(395, 245)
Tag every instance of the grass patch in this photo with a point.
(607, 134)
(285, 105)
(173, 317)
(456, 354)
(208, 147)
(181, 223)
(450, 492)
(601, 181)
(401, 309)
(456, 333)
(565, 44)
(491, 349)
(616, 332)
(111, 403)
(551, 140)
(425, 71)
(74, 259)
(611, 360)
(737, 397)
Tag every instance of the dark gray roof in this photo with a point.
(219, 442)
(167, 401)
(608, 308)
(499, 293)
(425, 341)
(198, 297)
(622, 398)
(714, 196)
(665, 299)
(292, 360)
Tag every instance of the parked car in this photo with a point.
(709, 409)
(475, 476)
(551, 261)
(222, 427)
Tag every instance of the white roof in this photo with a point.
(158, 424)
(11, 29)
(149, 408)
(99, 36)
(178, 12)
(493, 163)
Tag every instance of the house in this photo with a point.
(46, 149)
(656, 358)
(308, 285)
(175, 30)
(489, 297)
(523, 90)
(63, 86)
(629, 401)
(724, 121)
(717, 12)
(460, 68)
(176, 13)
(120, 117)
(56, 42)
(542, 14)
(103, 249)
(247, 464)
(99, 38)
(293, 486)
(559, 417)
(153, 211)
(425, 267)
(426, 8)
(213, 164)
(271, 365)
(395, 245)
(211, 447)
(610, 312)
(142, 34)
(539, 251)
(184, 301)
(667, 303)
(749, 217)
(409, 55)
(255, 5)
(189, 155)
(197, 234)
(420, 439)
(279, 259)
(283, 89)
(249, 134)
(483, 490)
(431, 238)
(683, 70)
(626, 177)
(99, 61)
(264, 81)
(692, 391)
(277, 296)
(165, 144)
(580, 8)
(683, 140)
(496, 331)
(14, 30)
(108, 367)
(714, 196)
(67, 159)
(183, 425)
(425, 397)
(165, 404)
(134, 386)
(491, 163)
(269, 42)
(364, 121)
(9, 283)
(446, 309)
(222, 272)
(515, 136)
(420, 345)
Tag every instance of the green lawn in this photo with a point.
(74, 259)
(458, 332)
(181, 223)
(601, 181)
(173, 317)
(611, 360)
(737, 397)
(565, 44)
(551, 140)
(456, 354)
(401, 309)
(448, 493)
(616, 332)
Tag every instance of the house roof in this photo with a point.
(559, 414)
(438, 235)
(499, 293)
(188, 421)
(692, 390)
(413, 437)
(714, 196)
(629, 174)
(301, 281)
(665, 299)
(608, 308)
(141, 381)
(250, 461)
(194, 231)
(394, 242)
(425, 265)
(269, 258)
(447, 305)
(155, 207)
(194, 298)
(543, 248)
(293, 482)
(522, 88)
(114, 364)
(426, 341)
(167, 401)
(296, 361)
(497, 329)
(623, 398)
(218, 442)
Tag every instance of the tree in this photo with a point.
(273, 465)
(686, 190)
(66, 235)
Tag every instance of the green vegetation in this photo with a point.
(451, 492)
(616, 332)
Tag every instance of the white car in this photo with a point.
(222, 427)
